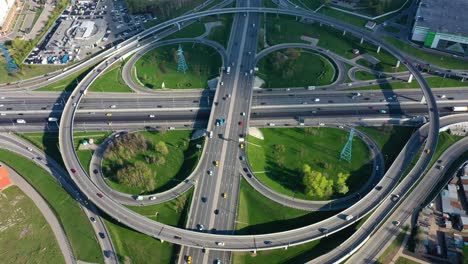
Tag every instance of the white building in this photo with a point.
(5, 6)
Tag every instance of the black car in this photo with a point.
(95, 171)
(101, 235)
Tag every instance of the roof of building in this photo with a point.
(4, 177)
(443, 16)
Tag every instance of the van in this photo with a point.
(210, 134)
(139, 198)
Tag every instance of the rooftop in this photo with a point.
(443, 16)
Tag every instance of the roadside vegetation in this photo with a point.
(310, 170)
(26, 235)
(294, 68)
(160, 66)
(75, 223)
(111, 81)
(147, 162)
(162, 10)
(69, 83)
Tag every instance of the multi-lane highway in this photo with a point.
(197, 239)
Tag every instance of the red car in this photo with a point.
(73, 170)
(100, 195)
(241, 123)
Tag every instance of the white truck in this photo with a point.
(139, 198)
(228, 70)
(460, 108)
(241, 140)
(52, 119)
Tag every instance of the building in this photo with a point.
(5, 7)
(4, 178)
(442, 25)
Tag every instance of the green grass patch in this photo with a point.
(436, 59)
(390, 139)
(75, 223)
(434, 82)
(194, 30)
(403, 260)
(28, 237)
(308, 4)
(160, 66)
(111, 81)
(283, 29)
(295, 67)
(320, 148)
(393, 248)
(364, 76)
(392, 29)
(182, 159)
(221, 33)
(27, 71)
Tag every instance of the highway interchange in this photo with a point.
(266, 104)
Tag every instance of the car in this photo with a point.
(241, 123)
(189, 259)
(113, 106)
(220, 243)
(396, 223)
(100, 195)
(317, 100)
(95, 171)
(249, 175)
(216, 211)
(378, 188)
(73, 170)
(29, 148)
(200, 227)
(241, 145)
(151, 116)
(204, 199)
(152, 198)
(108, 114)
(177, 237)
(242, 158)
(216, 163)
(217, 261)
(242, 113)
(224, 195)
(101, 235)
(267, 242)
(92, 219)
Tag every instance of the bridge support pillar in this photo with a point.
(378, 49)
(344, 32)
(362, 41)
(463, 79)
(397, 64)
(410, 79)
(162, 241)
(178, 25)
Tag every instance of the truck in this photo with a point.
(460, 108)
(241, 140)
(139, 198)
(228, 70)
(52, 119)
(210, 134)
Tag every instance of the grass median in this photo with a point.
(277, 160)
(75, 223)
(26, 235)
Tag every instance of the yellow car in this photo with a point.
(241, 145)
(216, 163)
(109, 114)
(225, 195)
(189, 260)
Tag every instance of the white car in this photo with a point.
(151, 116)
(152, 198)
(317, 100)
(210, 172)
(242, 113)
(113, 106)
(29, 148)
(220, 243)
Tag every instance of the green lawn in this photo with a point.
(67, 84)
(363, 75)
(309, 4)
(182, 159)
(221, 33)
(133, 247)
(392, 29)
(27, 237)
(159, 66)
(434, 82)
(257, 214)
(403, 260)
(26, 72)
(111, 81)
(194, 30)
(436, 59)
(285, 29)
(75, 223)
(465, 254)
(308, 69)
(391, 140)
(320, 148)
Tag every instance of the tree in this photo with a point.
(316, 184)
(137, 175)
(162, 148)
(340, 185)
